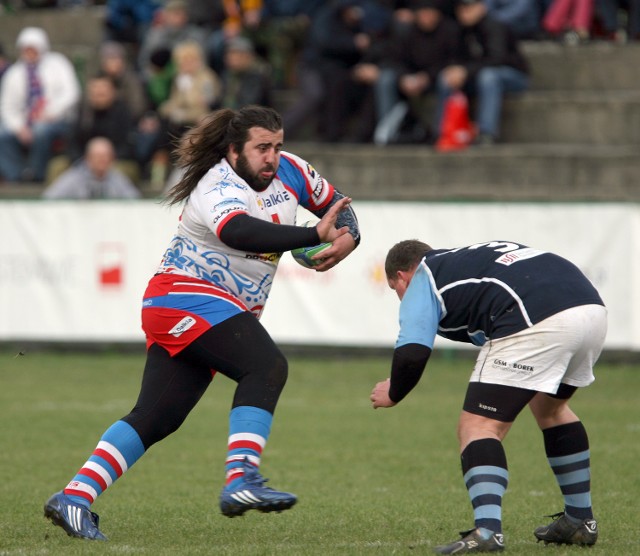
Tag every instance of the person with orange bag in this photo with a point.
(492, 66)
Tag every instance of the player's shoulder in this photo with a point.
(219, 190)
(289, 157)
(290, 162)
(221, 178)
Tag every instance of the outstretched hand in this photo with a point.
(380, 395)
(342, 240)
(326, 228)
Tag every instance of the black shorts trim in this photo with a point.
(565, 391)
(496, 401)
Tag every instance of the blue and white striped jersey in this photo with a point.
(488, 290)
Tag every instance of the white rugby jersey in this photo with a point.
(196, 249)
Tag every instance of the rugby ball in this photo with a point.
(303, 255)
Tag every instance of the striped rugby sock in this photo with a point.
(249, 429)
(567, 448)
(119, 448)
(484, 465)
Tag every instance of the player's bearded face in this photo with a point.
(258, 161)
(258, 178)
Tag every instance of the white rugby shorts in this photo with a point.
(560, 349)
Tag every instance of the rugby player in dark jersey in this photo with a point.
(541, 326)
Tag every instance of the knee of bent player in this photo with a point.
(476, 427)
(550, 411)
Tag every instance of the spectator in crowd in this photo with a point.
(170, 28)
(569, 19)
(160, 74)
(195, 91)
(114, 64)
(303, 112)
(416, 57)
(127, 21)
(609, 11)
(104, 114)
(521, 16)
(130, 88)
(245, 78)
(348, 33)
(279, 37)
(402, 14)
(221, 21)
(241, 15)
(210, 16)
(492, 66)
(158, 77)
(38, 101)
(96, 176)
(101, 114)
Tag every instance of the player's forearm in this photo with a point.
(245, 233)
(407, 367)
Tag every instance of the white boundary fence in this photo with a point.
(75, 271)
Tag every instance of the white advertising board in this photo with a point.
(75, 271)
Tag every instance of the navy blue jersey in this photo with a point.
(488, 290)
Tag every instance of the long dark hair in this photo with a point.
(206, 144)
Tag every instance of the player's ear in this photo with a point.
(391, 282)
(232, 154)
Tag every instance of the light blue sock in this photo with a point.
(249, 429)
(119, 448)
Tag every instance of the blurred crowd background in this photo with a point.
(351, 71)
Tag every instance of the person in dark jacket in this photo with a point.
(127, 21)
(521, 16)
(408, 74)
(280, 35)
(103, 114)
(246, 77)
(345, 34)
(493, 65)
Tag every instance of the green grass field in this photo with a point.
(369, 482)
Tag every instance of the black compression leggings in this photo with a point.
(239, 348)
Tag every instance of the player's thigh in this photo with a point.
(497, 402)
(489, 410)
(236, 347)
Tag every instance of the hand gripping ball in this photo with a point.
(303, 255)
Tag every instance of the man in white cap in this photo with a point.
(38, 101)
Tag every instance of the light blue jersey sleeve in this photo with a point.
(420, 311)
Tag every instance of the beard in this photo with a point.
(254, 179)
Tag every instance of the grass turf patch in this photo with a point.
(369, 482)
